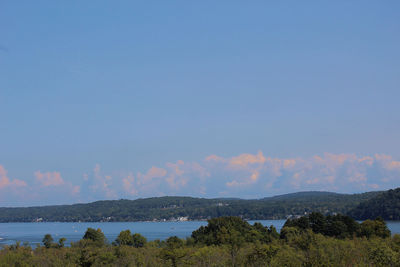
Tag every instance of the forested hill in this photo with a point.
(385, 205)
(171, 208)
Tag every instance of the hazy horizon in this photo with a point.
(227, 197)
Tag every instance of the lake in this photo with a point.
(33, 232)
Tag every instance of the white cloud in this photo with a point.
(243, 175)
(102, 183)
(49, 178)
(7, 182)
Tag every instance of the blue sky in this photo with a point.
(105, 100)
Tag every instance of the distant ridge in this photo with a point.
(385, 205)
(190, 208)
(306, 194)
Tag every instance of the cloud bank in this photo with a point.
(6, 183)
(245, 175)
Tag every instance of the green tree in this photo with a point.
(340, 226)
(138, 240)
(261, 254)
(317, 222)
(218, 231)
(174, 242)
(124, 238)
(96, 236)
(174, 251)
(289, 233)
(61, 242)
(47, 240)
(377, 227)
(273, 233)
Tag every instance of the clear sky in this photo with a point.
(129, 99)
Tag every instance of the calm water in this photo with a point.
(34, 232)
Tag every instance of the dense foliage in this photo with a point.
(226, 241)
(385, 205)
(227, 230)
(170, 208)
(339, 226)
(95, 236)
